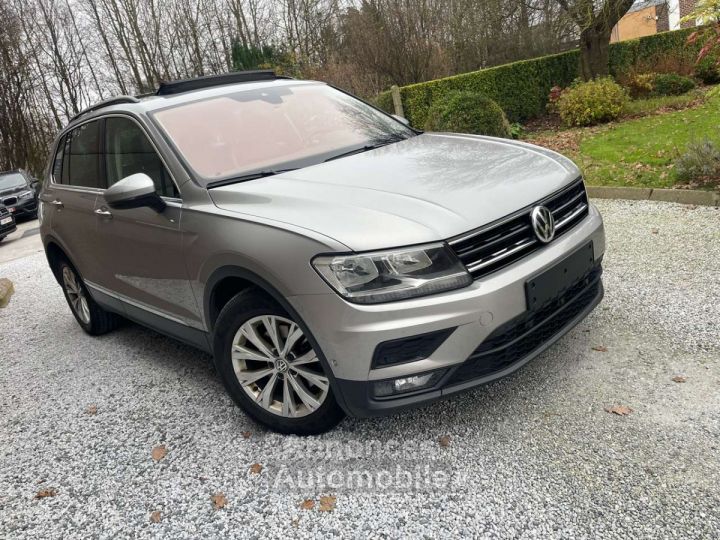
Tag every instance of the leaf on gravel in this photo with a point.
(92, 409)
(246, 434)
(155, 517)
(444, 440)
(47, 492)
(620, 410)
(600, 348)
(159, 452)
(256, 468)
(307, 504)
(679, 378)
(327, 503)
(654, 231)
(219, 500)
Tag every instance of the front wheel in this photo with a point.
(271, 369)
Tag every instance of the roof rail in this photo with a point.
(187, 85)
(106, 103)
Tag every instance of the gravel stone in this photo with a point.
(534, 455)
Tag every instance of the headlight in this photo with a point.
(371, 278)
(25, 195)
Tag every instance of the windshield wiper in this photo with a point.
(249, 176)
(362, 149)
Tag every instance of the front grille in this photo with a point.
(510, 239)
(10, 201)
(4, 211)
(519, 337)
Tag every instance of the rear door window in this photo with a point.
(129, 151)
(81, 157)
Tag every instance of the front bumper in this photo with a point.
(479, 368)
(8, 227)
(479, 315)
(22, 207)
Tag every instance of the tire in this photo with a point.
(2, 238)
(89, 315)
(289, 390)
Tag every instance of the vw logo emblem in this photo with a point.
(543, 223)
(281, 365)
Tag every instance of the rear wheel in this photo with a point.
(271, 369)
(91, 317)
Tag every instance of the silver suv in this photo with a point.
(331, 258)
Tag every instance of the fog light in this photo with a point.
(412, 383)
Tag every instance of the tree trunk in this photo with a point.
(596, 21)
(594, 53)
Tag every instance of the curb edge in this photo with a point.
(682, 196)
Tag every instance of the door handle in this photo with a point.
(57, 202)
(103, 212)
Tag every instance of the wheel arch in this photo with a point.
(54, 252)
(227, 281)
(241, 277)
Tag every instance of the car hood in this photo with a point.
(13, 190)
(423, 189)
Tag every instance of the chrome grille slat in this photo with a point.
(564, 206)
(509, 239)
(475, 267)
(572, 216)
(498, 239)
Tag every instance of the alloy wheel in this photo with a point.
(76, 295)
(277, 367)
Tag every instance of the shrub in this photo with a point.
(640, 85)
(516, 130)
(468, 112)
(707, 70)
(670, 84)
(701, 161)
(593, 102)
(556, 93)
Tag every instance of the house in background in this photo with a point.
(647, 17)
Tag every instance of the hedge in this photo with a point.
(522, 88)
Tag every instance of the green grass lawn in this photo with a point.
(638, 152)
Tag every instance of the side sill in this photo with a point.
(186, 334)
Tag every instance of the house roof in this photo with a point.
(639, 5)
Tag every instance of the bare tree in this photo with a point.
(59, 56)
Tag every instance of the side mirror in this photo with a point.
(35, 185)
(134, 191)
(401, 119)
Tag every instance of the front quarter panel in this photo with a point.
(215, 240)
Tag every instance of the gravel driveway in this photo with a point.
(532, 456)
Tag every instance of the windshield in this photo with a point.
(274, 128)
(12, 180)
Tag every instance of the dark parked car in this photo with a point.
(19, 193)
(7, 222)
